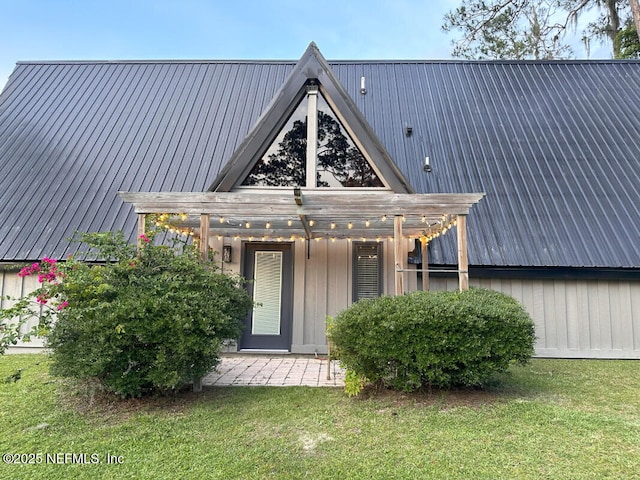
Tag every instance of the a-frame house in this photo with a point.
(312, 209)
(337, 180)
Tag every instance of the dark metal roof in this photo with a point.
(555, 146)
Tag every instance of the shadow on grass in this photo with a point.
(91, 401)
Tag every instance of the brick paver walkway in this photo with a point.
(282, 371)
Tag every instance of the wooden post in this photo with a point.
(312, 134)
(205, 225)
(204, 236)
(142, 218)
(425, 264)
(463, 264)
(398, 253)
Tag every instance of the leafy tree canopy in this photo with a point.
(532, 29)
(628, 42)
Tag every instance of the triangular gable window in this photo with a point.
(283, 164)
(334, 162)
(338, 161)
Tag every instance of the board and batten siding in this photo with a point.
(574, 318)
(14, 286)
(324, 287)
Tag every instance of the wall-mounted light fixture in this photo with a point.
(408, 130)
(226, 254)
(427, 165)
(363, 86)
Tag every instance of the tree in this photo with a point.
(339, 162)
(628, 42)
(532, 29)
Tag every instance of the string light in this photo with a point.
(289, 222)
(424, 219)
(312, 223)
(221, 219)
(350, 226)
(367, 223)
(268, 225)
(384, 218)
(333, 226)
(247, 225)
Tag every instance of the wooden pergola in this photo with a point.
(294, 214)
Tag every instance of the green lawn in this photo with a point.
(554, 419)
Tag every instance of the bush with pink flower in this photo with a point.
(146, 320)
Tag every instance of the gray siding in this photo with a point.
(13, 286)
(574, 318)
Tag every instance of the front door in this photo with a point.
(269, 267)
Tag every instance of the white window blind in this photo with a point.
(367, 272)
(267, 290)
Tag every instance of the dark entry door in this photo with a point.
(270, 269)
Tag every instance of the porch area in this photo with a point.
(275, 371)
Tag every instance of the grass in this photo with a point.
(554, 419)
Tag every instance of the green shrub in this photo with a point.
(440, 339)
(143, 322)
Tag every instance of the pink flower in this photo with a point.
(144, 238)
(42, 299)
(28, 270)
(62, 305)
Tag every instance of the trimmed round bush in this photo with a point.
(439, 339)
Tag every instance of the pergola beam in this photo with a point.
(283, 214)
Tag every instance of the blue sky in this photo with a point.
(221, 29)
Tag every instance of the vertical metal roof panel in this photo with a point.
(553, 144)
